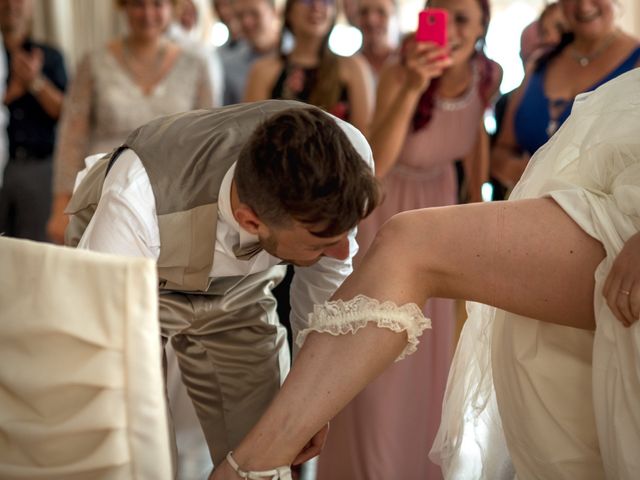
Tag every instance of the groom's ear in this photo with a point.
(248, 219)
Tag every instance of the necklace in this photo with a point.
(585, 59)
(453, 104)
(146, 74)
(556, 107)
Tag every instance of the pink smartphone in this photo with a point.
(432, 26)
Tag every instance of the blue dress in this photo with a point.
(532, 117)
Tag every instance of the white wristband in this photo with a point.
(280, 473)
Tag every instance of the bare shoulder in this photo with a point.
(262, 77)
(353, 62)
(351, 67)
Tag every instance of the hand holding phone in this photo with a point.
(432, 26)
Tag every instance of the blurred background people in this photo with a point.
(225, 13)
(232, 47)
(311, 72)
(536, 39)
(429, 113)
(34, 93)
(594, 51)
(543, 34)
(260, 26)
(185, 22)
(551, 26)
(378, 22)
(117, 88)
(185, 31)
(529, 41)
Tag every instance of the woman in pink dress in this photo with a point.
(429, 113)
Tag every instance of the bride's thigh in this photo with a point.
(527, 256)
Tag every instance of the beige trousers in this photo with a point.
(232, 353)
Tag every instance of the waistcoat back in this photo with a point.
(186, 156)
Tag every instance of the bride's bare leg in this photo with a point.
(527, 256)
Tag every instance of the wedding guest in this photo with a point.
(260, 24)
(594, 52)
(34, 92)
(129, 81)
(224, 11)
(429, 113)
(186, 31)
(378, 22)
(311, 72)
(537, 38)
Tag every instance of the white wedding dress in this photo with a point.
(565, 402)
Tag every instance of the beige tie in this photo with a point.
(247, 252)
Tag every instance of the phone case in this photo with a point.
(432, 26)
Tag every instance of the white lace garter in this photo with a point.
(341, 317)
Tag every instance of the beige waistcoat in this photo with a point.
(186, 157)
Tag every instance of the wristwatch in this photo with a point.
(37, 85)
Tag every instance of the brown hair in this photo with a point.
(300, 165)
(326, 91)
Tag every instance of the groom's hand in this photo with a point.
(314, 447)
(223, 472)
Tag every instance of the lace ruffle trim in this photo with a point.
(341, 317)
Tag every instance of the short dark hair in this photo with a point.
(300, 165)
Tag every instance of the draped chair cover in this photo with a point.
(81, 385)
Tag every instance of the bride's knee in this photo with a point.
(408, 237)
(409, 228)
(393, 234)
(419, 238)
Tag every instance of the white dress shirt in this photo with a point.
(125, 222)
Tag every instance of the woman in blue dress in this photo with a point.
(595, 52)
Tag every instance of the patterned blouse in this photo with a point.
(105, 104)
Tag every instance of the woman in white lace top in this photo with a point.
(126, 83)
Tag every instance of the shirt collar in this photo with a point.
(225, 212)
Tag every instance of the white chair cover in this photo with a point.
(81, 385)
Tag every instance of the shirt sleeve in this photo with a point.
(125, 219)
(315, 284)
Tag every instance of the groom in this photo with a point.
(221, 199)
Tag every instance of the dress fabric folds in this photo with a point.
(81, 385)
(564, 400)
